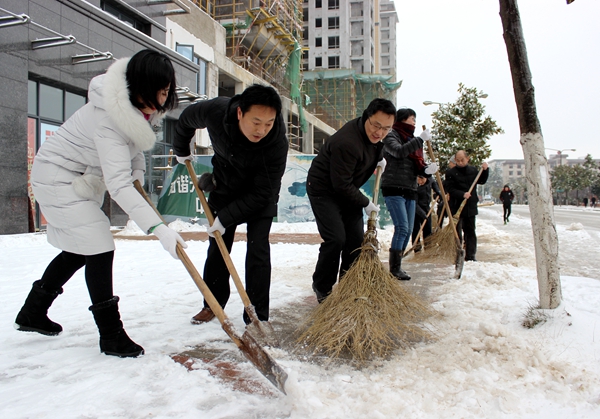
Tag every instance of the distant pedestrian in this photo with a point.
(585, 202)
(594, 201)
(506, 196)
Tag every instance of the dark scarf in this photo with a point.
(407, 132)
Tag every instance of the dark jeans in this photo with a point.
(258, 267)
(341, 227)
(98, 273)
(506, 211)
(466, 226)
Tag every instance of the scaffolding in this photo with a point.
(337, 96)
(261, 34)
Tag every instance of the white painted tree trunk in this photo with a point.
(539, 190)
(545, 239)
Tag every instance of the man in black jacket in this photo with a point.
(458, 182)
(250, 146)
(345, 162)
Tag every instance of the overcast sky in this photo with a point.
(442, 43)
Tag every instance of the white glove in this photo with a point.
(370, 208)
(182, 160)
(169, 239)
(217, 226)
(431, 168)
(425, 135)
(382, 163)
(138, 174)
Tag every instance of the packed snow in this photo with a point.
(481, 364)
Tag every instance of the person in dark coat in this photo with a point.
(250, 146)
(458, 181)
(506, 197)
(426, 185)
(344, 163)
(404, 155)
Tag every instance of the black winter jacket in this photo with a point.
(506, 197)
(344, 164)
(424, 197)
(400, 175)
(458, 181)
(248, 175)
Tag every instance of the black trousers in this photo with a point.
(258, 267)
(98, 273)
(342, 230)
(466, 228)
(506, 211)
(417, 227)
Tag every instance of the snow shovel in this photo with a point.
(246, 343)
(263, 331)
(460, 252)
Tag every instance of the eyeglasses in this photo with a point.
(379, 127)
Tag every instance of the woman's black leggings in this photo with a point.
(98, 273)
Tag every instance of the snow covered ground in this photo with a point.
(482, 364)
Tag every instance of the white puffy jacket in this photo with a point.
(94, 150)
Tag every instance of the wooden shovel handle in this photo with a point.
(222, 247)
(189, 266)
(463, 203)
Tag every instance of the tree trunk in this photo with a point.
(536, 164)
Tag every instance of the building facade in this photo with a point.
(51, 49)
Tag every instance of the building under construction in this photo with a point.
(266, 36)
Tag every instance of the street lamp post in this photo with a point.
(559, 153)
(481, 95)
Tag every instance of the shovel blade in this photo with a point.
(263, 332)
(460, 263)
(263, 362)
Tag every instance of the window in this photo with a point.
(318, 22)
(334, 62)
(125, 16)
(333, 42)
(318, 42)
(510, 166)
(510, 173)
(305, 54)
(334, 22)
(305, 34)
(318, 62)
(519, 173)
(305, 15)
(356, 29)
(356, 9)
(333, 4)
(318, 4)
(385, 22)
(188, 52)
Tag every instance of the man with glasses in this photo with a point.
(345, 162)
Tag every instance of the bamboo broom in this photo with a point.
(369, 313)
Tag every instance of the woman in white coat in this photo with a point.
(99, 148)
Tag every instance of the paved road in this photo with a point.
(590, 219)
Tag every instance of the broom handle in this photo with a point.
(444, 198)
(462, 205)
(373, 216)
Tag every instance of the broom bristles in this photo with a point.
(368, 314)
(440, 246)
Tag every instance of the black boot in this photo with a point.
(396, 265)
(33, 316)
(113, 339)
